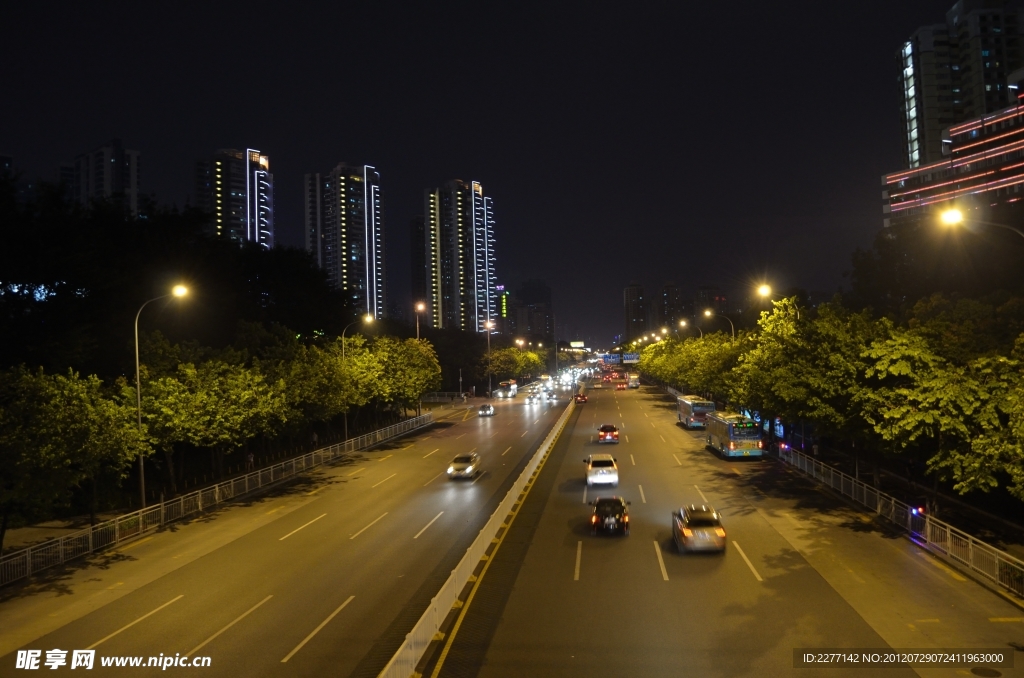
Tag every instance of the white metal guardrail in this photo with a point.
(28, 561)
(403, 664)
(958, 548)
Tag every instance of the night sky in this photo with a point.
(702, 143)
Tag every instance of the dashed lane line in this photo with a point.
(701, 495)
(579, 552)
(433, 479)
(661, 561)
(642, 496)
(368, 526)
(460, 436)
(747, 561)
(387, 457)
(237, 619)
(506, 451)
(316, 630)
(627, 439)
(384, 481)
(128, 626)
(428, 525)
(632, 459)
(430, 453)
(524, 433)
(303, 526)
(662, 438)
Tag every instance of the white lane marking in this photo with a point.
(354, 472)
(591, 438)
(383, 458)
(627, 439)
(579, 552)
(316, 630)
(427, 525)
(503, 453)
(701, 495)
(661, 562)
(662, 438)
(524, 433)
(432, 479)
(384, 481)
(642, 497)
(368, 526)
(536, 422)
(478, 477)
(632, 459)
(493, 434)
(652, 425)
(584, 494)
(299, 528)
(457, 437)
(237, 619)
(128, 626)
(677, 460)
(430, 453)
(645, 414)
(472, 451)
(747, 561)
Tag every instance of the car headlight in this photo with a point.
(469, 469)
(451, 469)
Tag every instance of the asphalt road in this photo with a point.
(801, 570)
(323, 577)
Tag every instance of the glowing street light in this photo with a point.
(709, 313)
(765, 291)
(366, 319)
(420, 307)
(952, 217)
(177, 291)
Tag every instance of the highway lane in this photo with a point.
(329, 576)
(801, 570)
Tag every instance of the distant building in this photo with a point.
(670, 307)
(710, 297)
(236, 189)
(956, 71)
(532, 311)
(458, 250)
(345, 233)
(6, 166)
(110, 172)
(636, 311)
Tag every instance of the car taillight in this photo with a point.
(732, 446)
(687, 532)
(625, 519)
(720, 532)
(593, 519)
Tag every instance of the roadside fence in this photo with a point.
(441, 396)
(28, 561)
(960, 549)
(427, 629)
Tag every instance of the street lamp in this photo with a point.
(490, 368)
(366, 319)
(710, 314)
(520, 342)
(765, 291)
(954, 217)
(178, 291)
(420, 307)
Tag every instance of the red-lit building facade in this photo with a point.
(982, 174)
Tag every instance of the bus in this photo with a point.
(507, 389)
(634, 381)
(733, 435)
(693, 411)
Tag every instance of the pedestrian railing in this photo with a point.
(426, 630)
(28, 561)
(441, 396)
(958, 548)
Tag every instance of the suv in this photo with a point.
(698, 528)
(464, 466)
(610, 515)
(602, 470)
(485, 411)
(608, 434)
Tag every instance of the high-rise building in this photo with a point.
(711, 298)
(110, 172)
(236, 189)
(458, 248)
(636, 311)
(956, 71)
(670, 307)
(6, 165)
(533, 313)
(345, 234)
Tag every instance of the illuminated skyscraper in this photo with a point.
(458, 248)
(636, 311)
(345, 234)
(236, 189)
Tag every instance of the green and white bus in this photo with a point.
(733, 435)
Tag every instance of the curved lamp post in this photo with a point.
(365, 319)
(711, 314)
(420, 307)
(178, 291)
(954, 217)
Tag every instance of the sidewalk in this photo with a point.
(22, 537)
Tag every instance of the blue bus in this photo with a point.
(733, 435)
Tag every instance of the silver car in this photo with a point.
(464, 466)
(698, 528)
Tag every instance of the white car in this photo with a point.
(602, 469)
(464, 466)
